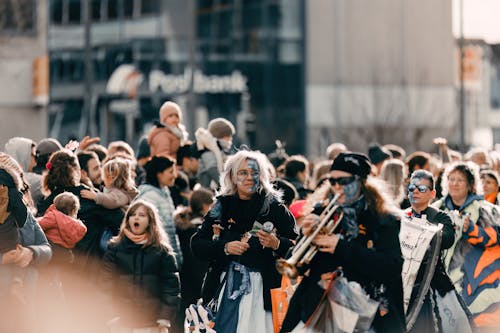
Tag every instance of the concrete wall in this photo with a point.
(18, 114)
(380, 70)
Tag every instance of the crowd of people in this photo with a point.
(105, 239)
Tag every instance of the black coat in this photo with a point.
(237, 217)
(372, 259)
(143, 282)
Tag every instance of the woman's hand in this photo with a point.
(268, 239)
(87, 194)
(236, 248)
(326, 243)
(466, 224)
(308, 223)
(21, 256)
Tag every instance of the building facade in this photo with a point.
(24, 68)
(242, 60)
(384, 72)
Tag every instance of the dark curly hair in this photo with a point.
(61, 171)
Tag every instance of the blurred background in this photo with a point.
(308, 73)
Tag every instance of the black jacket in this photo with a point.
(237, 217)
(144, 283)
(372, 259)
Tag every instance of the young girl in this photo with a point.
(119, 188)
(140, 272)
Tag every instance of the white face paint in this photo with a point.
(248, 178)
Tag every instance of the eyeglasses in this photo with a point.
(245, 173)
(341, 180)
(421, 188)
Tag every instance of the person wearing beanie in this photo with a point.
(169, 133)
(378, 154)
(215, 144)
(365, 245)
(24, 151)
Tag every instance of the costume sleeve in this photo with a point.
(448, 237)
(285, 233)
(202, 244)
(481, 237)
(113, 199)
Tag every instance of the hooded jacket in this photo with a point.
(20, 149)
(62, 229)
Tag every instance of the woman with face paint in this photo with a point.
(365, 245)
(473, 261)
(243, 234)
(139, 274)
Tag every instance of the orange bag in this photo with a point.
(279, 301)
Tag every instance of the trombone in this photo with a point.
(304, 251)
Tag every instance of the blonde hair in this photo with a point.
(118, 170)
(393, 173)
(156, 236)
(228, 176)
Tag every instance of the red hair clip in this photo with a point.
(48, 166)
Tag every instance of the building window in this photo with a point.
(150, 7)
(17, 16)
(74, 11)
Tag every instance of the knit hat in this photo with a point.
(10, 165)
(48, 146)
(220, 127)
(354, 163)
(378, 153)
(168, 108)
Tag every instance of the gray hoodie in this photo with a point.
(20, 149)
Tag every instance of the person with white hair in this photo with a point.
(242, 235)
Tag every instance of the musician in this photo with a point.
(246, 196)
(421, 193)
(366, 246)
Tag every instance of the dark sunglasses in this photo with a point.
(341, 180)
(421, 188)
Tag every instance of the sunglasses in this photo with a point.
(341, 180)
(421, 188)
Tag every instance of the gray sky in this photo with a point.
(480, 19)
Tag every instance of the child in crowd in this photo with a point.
(62, 228)
(168, 134)
(13, 213)
(140, 273)
(119, 188)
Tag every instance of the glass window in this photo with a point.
(96, 10)
(150, 6)
(128, 8)
(17, 16)
(112, 9)
(495, 85)
(56, 9)
(75, 10)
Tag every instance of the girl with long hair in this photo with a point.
(139, 272)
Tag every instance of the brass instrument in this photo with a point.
(304, 251)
